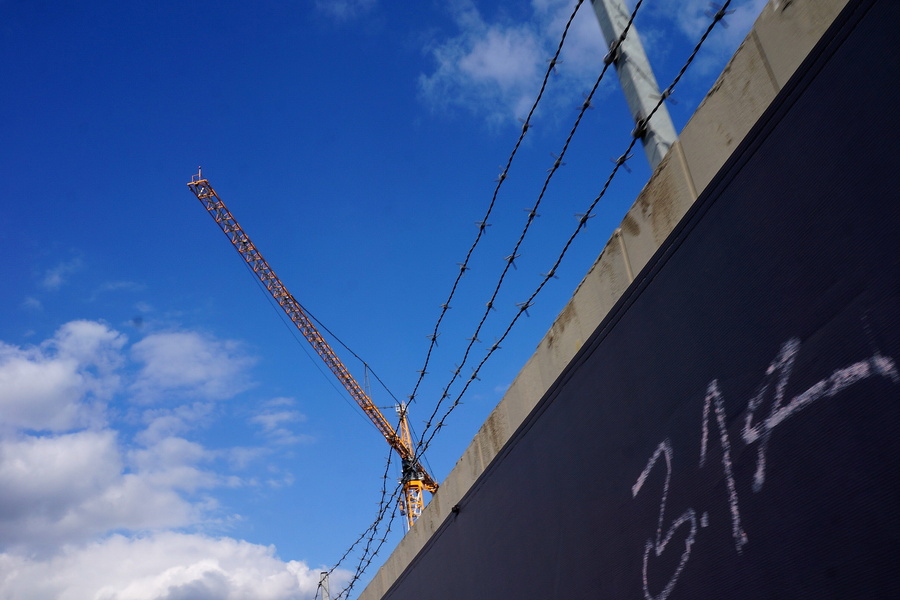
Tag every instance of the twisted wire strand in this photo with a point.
(424, 442)
(446, 306)
(532, 214)
(384, 503)
(482, 225)
(373, 544)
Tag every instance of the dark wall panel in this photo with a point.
(731, 429)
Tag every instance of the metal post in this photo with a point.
(323, 583)
(636, 77)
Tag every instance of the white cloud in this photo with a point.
(496, 69)
(42, 477)
(486, 69)
(91, 344)
(188, 364)
(144, 307)
(87, 511)
(496, 58)
(585, 47)
(168, 422)
(162, 566)
(39, 394)
(271, 421)
(45, 387)
(65, 488)
(241, 457)
(275, 421)
(171, 463)
(692, 17)
(55, 278)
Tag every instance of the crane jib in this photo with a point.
(415, 477)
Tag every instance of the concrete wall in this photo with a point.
(781, 38)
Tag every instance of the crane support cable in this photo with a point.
(401, 443)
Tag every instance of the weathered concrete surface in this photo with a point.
(728, 112)
(781, 38)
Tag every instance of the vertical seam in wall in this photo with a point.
(625, 259)
(765, 60)
(682, 160)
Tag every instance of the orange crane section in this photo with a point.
(415, 478)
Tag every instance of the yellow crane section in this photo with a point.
(415, 478)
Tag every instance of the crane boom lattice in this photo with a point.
(415, 478)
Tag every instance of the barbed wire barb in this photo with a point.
(533, 210)
(526, 125)
(374, 543)
(619, 163)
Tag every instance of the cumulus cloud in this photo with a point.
(496, 69)
(91, 344)
(65, 488)
(43, 478)
(691, 18)
(188, 364)
(172, 462)
(161, 566)
(91, 511)
(55, 386)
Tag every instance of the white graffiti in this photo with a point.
(781, 369)
(714, 399)
(688, 516)
(754, 431)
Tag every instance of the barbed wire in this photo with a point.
(371, 552)
(424, 443)
(373, 544)
(483, 224)
(608, 60)
(384, 503)
(369, 534)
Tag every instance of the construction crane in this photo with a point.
(414, 477)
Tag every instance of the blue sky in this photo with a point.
(152, 402)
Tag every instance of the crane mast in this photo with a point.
(415, 478)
